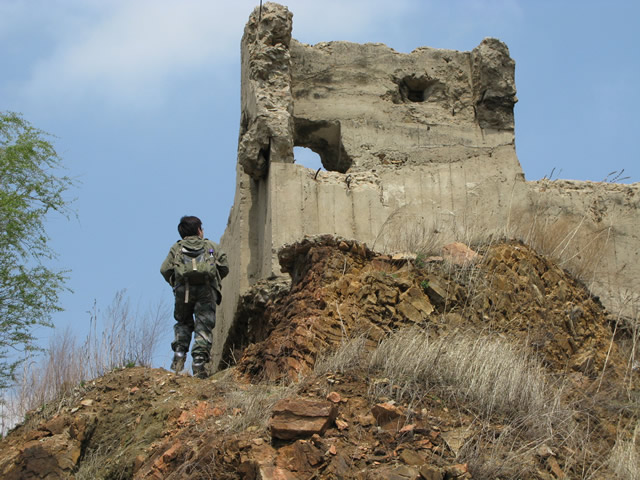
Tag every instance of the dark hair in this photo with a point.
(189, 226)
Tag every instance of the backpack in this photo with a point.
(194, 265)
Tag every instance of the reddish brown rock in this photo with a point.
(341, 424)
(299, 418)
(52, 451)
(300, 456)
(410, 457)
(56, 425)
(51, 457)
(458, 253)
(334, 397)
(553, 465)
(275, 473)
(457, 471)
(431, 472)
(408, 428)
(162, 465)
(401, 472)
(414, 305)
(384, 412)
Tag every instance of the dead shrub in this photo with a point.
(122, 337)
(52, 377)
(117, 339)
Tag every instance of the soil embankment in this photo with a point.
(272, 415)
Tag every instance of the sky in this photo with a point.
(143, 98)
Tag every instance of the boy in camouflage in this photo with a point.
(197, 300)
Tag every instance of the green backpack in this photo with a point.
(194, 266)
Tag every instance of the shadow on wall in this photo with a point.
(324, 138)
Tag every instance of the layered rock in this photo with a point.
(340, 289)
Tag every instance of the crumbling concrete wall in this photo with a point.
(418, 150)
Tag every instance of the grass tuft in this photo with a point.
(251, 405)
(490, 373)
(625, 456)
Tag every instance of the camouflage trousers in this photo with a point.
(197, 317)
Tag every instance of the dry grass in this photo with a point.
(56, 375)
(574, 242)
(91, 465)
(118, 339)
(627, 328)
(406, 232)
(126, 337)
(253, 404)
(495, 380)
(491, 374)
(351, 354)
(624, 460)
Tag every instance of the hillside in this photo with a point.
(493, 363)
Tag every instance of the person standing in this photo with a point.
(194, 267)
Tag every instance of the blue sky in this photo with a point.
(144, 99)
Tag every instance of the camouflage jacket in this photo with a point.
(194, 242)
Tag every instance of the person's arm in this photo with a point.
(166, 270)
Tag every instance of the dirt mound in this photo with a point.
(341, 289)
(149, 423)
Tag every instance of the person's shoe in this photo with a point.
(199, 367)
(178, 361)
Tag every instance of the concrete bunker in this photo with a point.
(423, 140)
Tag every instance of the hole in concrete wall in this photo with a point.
(413, 88)
(324, 138)
(307, 158)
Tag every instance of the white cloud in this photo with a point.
(130, 52)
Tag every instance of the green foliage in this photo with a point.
(424, 284)
(29, 191)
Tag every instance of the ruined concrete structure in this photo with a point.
(418, 150)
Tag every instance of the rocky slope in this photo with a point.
(274, 414)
